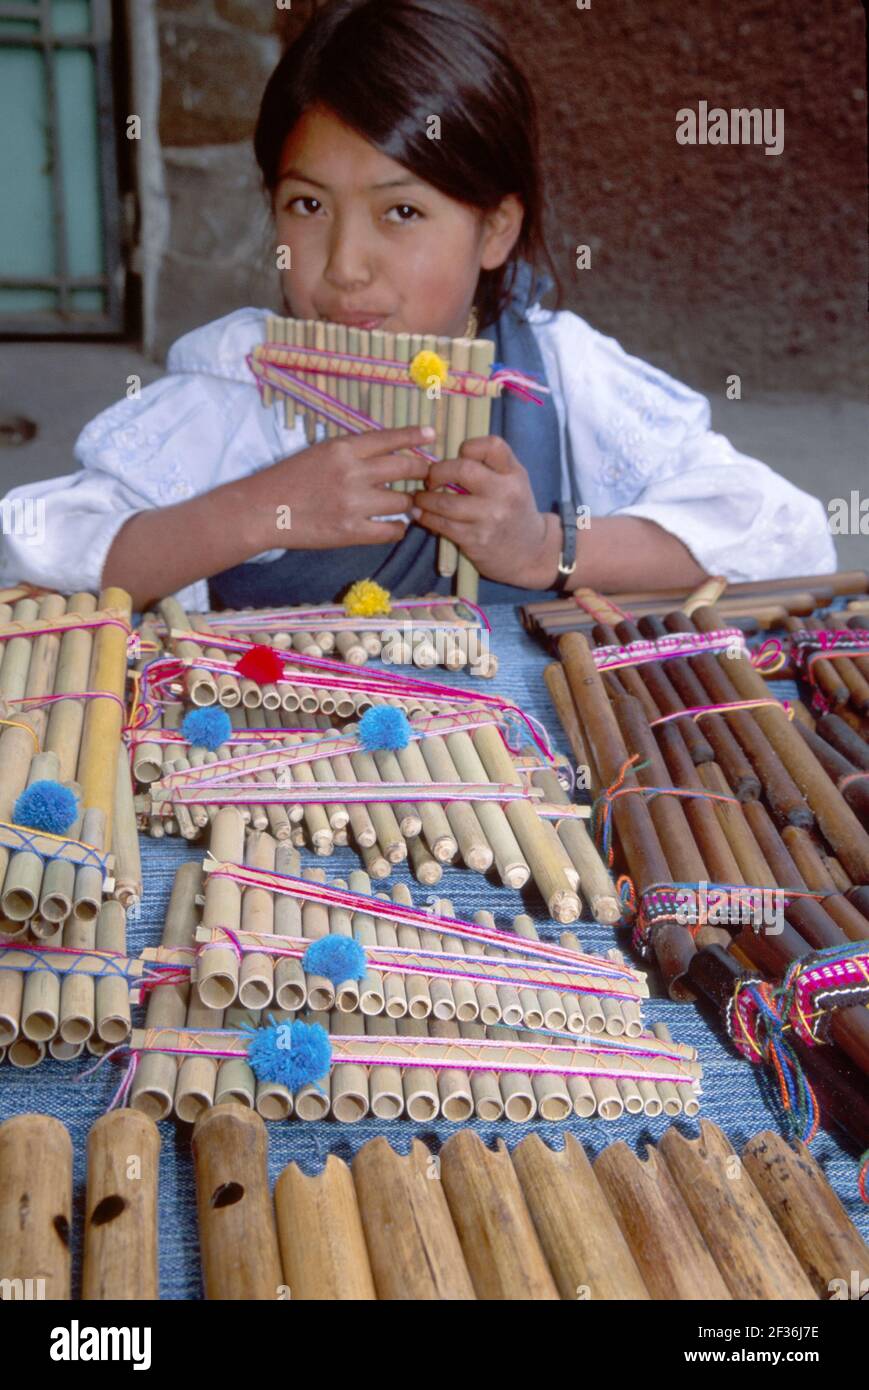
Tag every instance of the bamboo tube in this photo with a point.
(153, 1085)
(257, 971)
(531, 832)
(218, 965)
(36, 1205)
(315, 924)
(383, 818)
(58, 884)
(349, 1083)
(424, 866)
(559, 693)
(11, 996)
(670, 1253)
(470, 837)
(103, 719)
(112, 992)
(578, 1232)
(808, 1212)
(407, 814)
(359, 814)
(322, 1243)
(595, 882)
(290, 988)
(125, 839)
(313, 1102)
(120, 1242)
(23, 882)
(419, 1084)
(384, 1083)
(412, 1243)
(40, 1006)
(235, 1078)
(197, 1075)
(436, 827)
(238, 1238)
(17, 744)
(78, 991)
(509, 861)
(754, 1258)
(24, 1053)
(66, 717)
(501, 1248)
(454, 1084)
(87, 894)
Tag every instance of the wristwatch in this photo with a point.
(567, 558)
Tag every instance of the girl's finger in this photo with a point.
(380, 532)
(491, 450)
(391, 468)
(463, 533)
(371, 443)
(470, 474)
(456, 506)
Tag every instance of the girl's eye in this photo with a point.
(402, 209)
(305, 199)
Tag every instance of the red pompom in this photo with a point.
(260, 664)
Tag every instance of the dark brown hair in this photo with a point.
(384, 67)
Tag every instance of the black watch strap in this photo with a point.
(567, 559)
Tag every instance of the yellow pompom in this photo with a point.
(365, 599)
(425, 366)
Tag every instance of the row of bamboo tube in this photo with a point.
(409, 639)
(511, 838)
(455, 418)
(76, 742)
(759, 604)
(260, 981)
(163, 1084)
(800, 834)
(842, 682)
(691, 1220)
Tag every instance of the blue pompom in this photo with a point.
(207, 728)
(46, 806)
(294, 1054)
(383, 726)
(336, 958)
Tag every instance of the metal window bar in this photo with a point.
(65, 321)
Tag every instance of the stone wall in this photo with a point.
(707, 260)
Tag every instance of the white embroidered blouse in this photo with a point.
(640, 445)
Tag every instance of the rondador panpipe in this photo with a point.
(354, 379)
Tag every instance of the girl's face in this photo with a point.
(373, 246)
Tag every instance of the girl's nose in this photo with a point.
(348, 265)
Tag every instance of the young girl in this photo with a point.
(399, 222)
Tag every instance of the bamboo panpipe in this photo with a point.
(120, 1247)
(456, 417)
(36, 1205)
(737, 596)
(453, 1050)
(240, 1255)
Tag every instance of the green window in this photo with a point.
(60, 254)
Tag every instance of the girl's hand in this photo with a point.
(497, 523)
(330, 492)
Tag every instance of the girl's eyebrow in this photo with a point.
(300, 176)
